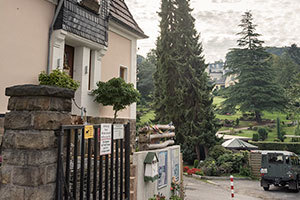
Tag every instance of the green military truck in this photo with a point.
(280, 168)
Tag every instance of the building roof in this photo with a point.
(238, 144)
(120, 13)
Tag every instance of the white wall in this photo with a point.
(146, 190)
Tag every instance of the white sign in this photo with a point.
(105, 139)
(118, 131)
(175, 163)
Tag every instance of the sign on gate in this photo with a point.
(88, 131)
(105, 139)
(118, 131)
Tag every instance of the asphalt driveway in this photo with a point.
(244, 190)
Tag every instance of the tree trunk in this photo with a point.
(258, 117)
(197, 147)
(115, 117)
(206, 151)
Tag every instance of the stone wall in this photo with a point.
(1, 128)
(29, 152)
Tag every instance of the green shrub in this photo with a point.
(188, 153)
(263, 134)
(255, 137)
(58, 78)
(196, 163)
(255, 128)
(295, 139)
(210, 168)
(245, 171)
(217, 151)
(200, 173)
(226, 168)
(250, 127)
(237, 160)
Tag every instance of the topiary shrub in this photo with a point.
(255, 137)
(58, 78)
(196, 163)
(263, 134)
(117, 93)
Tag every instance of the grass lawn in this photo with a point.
(271, 135)
(265, 115)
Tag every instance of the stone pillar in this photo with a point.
(29, 143)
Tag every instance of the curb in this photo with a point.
(218, 177)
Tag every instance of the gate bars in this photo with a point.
(96, 176)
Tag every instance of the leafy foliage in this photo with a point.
(117, 93)
(256, 90)
(58, 78)
(217, 151)
(146, 69)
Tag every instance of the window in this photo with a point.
(123, 73)
(295, 160)
(287, 159)
(276, 158)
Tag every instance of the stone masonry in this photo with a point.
(29, 143)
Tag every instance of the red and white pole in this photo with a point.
(232, 188)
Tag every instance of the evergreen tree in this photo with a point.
(199, 125)
(294, 53)
(145, 84)
(182, 92)
(256, 89)
(166, 75)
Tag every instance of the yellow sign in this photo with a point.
(88, 131)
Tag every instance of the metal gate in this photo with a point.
(82, 173)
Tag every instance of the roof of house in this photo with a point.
(120, 13)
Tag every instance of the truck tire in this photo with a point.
(266, 188)
(297, 185)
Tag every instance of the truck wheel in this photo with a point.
(266, 188)
(297, 185)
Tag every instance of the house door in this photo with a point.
(69, 60)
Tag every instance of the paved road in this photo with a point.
(244, 190)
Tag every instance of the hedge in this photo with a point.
(284, 146)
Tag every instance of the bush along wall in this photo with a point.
(284, 146)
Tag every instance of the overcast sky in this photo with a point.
(217, 22)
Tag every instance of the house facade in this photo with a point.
(92, 40)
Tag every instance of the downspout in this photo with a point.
(59, 6)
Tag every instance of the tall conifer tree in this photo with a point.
(166, 72)
(182, 93)
(256, 89)
(197, 112)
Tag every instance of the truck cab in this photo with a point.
(280, 168)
